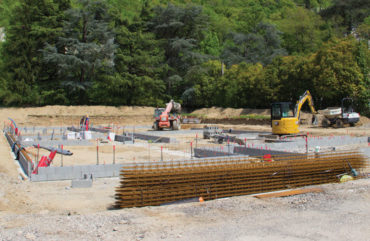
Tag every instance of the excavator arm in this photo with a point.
(302, 99)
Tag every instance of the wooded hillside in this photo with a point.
(202, 53)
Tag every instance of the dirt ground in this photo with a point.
(55, 211)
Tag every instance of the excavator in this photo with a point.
(285, 118)
(167, 118)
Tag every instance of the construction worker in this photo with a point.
(82, 121)
(87, 122)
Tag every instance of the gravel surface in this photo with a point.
(341, 212)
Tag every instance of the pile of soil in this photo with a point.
(67, 115)
(364, 120)
(222, 113)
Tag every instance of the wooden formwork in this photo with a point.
(158, 183)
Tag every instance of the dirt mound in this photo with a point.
(364, 120)
(220, 113)
(57, 113)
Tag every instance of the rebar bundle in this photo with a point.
(164, 182)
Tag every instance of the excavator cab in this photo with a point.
(283, 119)
(281, 110)
(285, 116)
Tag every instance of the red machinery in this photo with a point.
(167, 118)
(46, 161)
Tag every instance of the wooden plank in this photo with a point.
(289, 193)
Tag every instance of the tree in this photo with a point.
(182, 29)
(302, 31)
(346, 15)
(139, 65)
(31, 25)
(87, 48)
(337, 73)
(260, 46)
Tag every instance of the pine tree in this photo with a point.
(32, 24)
(139, 65)
(86, 48)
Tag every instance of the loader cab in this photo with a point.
(158, 112)
(347, 105)
(282, 110)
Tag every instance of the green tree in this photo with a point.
(183, 29)
(260, 46)
(303, 31)
(31, 25)
(337, 73)
(139, 65)
(346, 15)
(87, 48)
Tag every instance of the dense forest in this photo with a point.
(202, 53)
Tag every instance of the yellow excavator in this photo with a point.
(285, 118)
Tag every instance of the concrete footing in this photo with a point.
(82, 183)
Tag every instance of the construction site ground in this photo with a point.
(55, 211)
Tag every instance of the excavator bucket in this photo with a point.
(315, 120)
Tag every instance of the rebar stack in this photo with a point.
(164, 182)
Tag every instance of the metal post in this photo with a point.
(114, 154)
(37, 156)
(29, 169)
(61, 156)
(149, 149)
(161, 153)
(306, 139)
(228, 147)
(191, 150)
(97, 152)
(196, 140)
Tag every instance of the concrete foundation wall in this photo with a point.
(63, 173)
(23, 162)
(200, 153)
(76, 172)
(153, 138)
(122, 138)
(58, 142)
(258, 152)
(239, 150)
